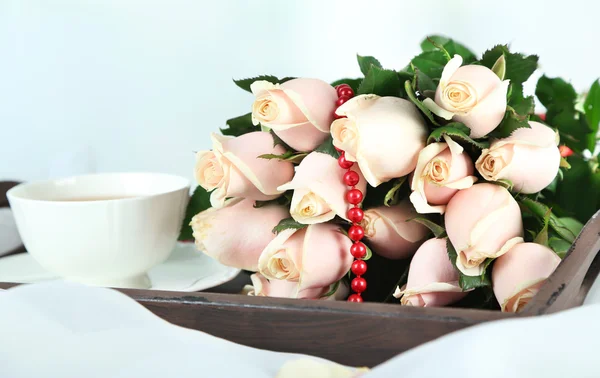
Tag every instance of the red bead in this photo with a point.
(359, 267)
(358, 250)
(346, 91)
(354, 196)
(338, 149)
(355, 298)
(340, 101)
(358, 284)
(351, 178)
(345, 164)
(356, 233)
(355, 214)
(337, 116)
(340, 87)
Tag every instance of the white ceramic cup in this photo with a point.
(107, 242)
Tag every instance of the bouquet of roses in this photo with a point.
(440, 171)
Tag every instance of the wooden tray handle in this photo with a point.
(570, 283)
(4, 187)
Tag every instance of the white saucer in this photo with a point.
(185, 270)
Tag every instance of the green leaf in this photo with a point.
(287, 224)
(199, 201)
(451, 46)
(423, 82)
(457, 131)
(499, 68)
(392, 196)
(522, 105)
(572, 224)
(542, 236)
(578, 192)
(369, 253)
(333, 288)
(511, 122)
(245, 83)
(572, 127)
(559, 246)
(540, 210)
(290, 156)
(328, 148)
(283, 200)
(430, 43)
(437, 230)
(240, 125)
(592, 113)
(518, 66)
(468, 282)
(353, 83)
(380, 82)
(431, 63)
(411, 95)
(365, 63)
(555, 92)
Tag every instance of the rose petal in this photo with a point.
(487, 114)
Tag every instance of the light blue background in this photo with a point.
(93, 86)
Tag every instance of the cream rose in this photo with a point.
(233, 168)
(383, 134)
(388, 232)
(482, 222)
(529, 158)
(315, 256)
(473, 95)
(442, 169)
(319, 192)
(211, 231)
(432, 280)
(261, 287)
(299, 111)
(518, 275)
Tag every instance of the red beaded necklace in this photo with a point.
(355, 214)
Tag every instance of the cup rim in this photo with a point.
(14, 192)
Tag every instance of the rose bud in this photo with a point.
(319, 191)
(233, 168)
(529, 158)
(315, 256)
(389, 233)
(383, 134)
(442, 169)
(473, 95)
(432, 280)
(212, 227)
(482, 222)
(261, 287)
(299, 111)
(518, 275)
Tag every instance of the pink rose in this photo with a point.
(518, 275)
(529, 158)
(383, 134)
(442, 169)
(389, 233)
(299, 111)
(482, 222)
(212, 229)
(261, 287)
(473, 95)
(315, 256)
(432, 280)
(319, 192)
(233, 168)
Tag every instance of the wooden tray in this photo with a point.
(364, 334)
